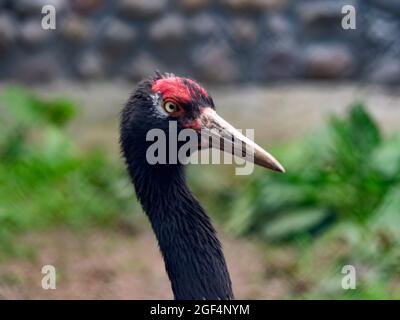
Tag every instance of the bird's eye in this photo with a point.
(171, 107)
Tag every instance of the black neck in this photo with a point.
(192, 253)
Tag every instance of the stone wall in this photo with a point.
(212, 40)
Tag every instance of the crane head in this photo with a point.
(166, 97)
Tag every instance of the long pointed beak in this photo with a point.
(218, 133)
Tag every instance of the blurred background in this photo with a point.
(324, 100)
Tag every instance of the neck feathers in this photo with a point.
(192, 253)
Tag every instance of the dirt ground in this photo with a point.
(100, 264)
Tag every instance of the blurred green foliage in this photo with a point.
(44, 179)
(338, 204)
(345, 172)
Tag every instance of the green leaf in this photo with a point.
(294, 222)
(386, 158)
(363, 129)
(388, 214)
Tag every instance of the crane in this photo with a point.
(192, 253)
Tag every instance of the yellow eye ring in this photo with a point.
(170, 107)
